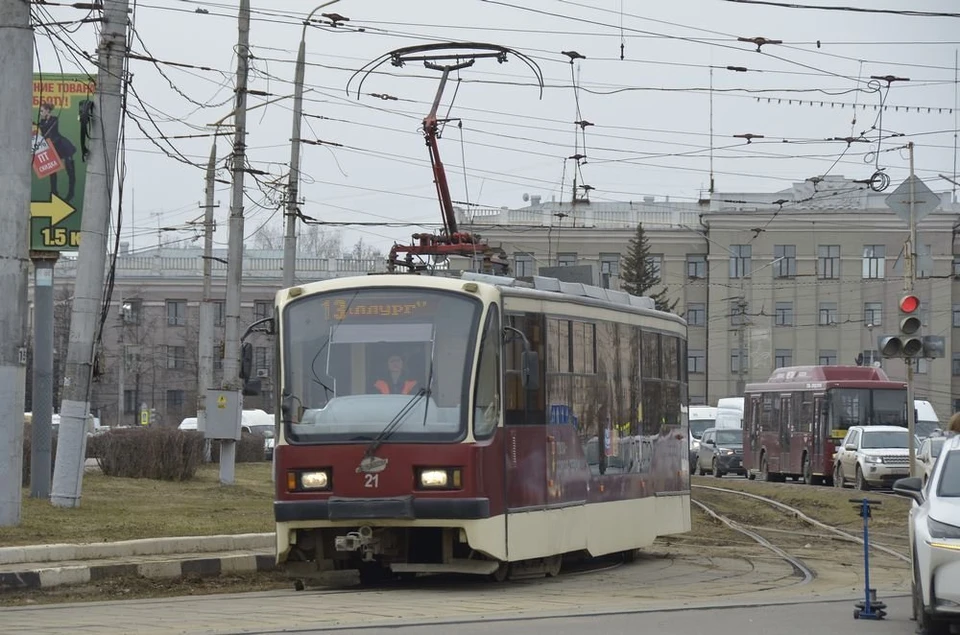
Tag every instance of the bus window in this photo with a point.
(766, 412)
(805, 418)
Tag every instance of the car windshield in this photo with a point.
(263, 430)
(729, 437)
(926, 428)
(935, 446)
(949, 486)
(699, 426)
(876, 439)
(354, 360)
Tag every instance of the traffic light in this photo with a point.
(908, 342)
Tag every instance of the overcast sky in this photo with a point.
(650, 110)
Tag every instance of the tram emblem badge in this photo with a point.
(372, 465)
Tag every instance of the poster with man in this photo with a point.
(62, 116)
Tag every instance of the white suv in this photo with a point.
(872, 456)
(935, 540)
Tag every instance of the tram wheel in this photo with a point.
(502, 572)
(298, 585)
(553, 565)
(372, 574)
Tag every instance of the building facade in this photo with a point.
(157, 337)
(809, 275)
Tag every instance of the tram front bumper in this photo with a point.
(394, 508)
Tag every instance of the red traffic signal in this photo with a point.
(909, 303)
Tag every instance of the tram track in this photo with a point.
(798, 514)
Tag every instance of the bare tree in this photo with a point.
(312, 241)
(365, 251)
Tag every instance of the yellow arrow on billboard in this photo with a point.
(56, 209)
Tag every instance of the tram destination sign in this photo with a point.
(62, 107)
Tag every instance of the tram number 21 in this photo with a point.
(371, 480)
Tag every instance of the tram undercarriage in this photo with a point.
(383, 553)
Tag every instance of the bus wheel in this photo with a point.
(751, 475)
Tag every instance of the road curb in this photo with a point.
(47, 577)
(129, 548)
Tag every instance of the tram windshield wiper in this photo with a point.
(394, 424)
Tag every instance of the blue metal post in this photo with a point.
(870, 608)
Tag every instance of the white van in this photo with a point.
(927, 420)
(700, 419)
(730, 412)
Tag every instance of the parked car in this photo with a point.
(927, 456)
(700, 418)
(721, 452)
(872, 456)
(934, 528)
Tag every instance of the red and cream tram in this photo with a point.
(476, 424)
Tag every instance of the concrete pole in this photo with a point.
(95, 224)
(205, 375)
(40, 459)
(16, 68)
(911, 262)
(231, 344)
(122, 368)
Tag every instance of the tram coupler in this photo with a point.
(870, 608)
(361, 540)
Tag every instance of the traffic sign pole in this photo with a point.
(909, 282)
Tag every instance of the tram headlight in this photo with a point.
(438, 478)
(312, 480)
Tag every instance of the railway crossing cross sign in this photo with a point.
(924, 200)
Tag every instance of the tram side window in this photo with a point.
(670, 347)
(671, 357)
(486, 406)
(520, 405)
(650, 356)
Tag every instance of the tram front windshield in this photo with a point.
(867, 407)
(358, 360)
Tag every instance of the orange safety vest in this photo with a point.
(384, 387)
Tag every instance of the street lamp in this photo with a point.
(290, 234)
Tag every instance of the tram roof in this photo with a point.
(817, 377)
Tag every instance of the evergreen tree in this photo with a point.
(639, 273)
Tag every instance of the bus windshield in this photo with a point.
(863, 406)
(355, 361)
(699, 426)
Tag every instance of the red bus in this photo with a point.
(795, 420)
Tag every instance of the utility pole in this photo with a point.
(16, 77)
(88, 289)
(741, 342)
(122, 368)
(231, 344)
(910, 256)
(42, 406)
(205, 376)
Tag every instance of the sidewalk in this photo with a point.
(45, 566)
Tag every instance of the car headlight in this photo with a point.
(725, 451)
(942, 530)
(695, 445)
(312, 480)
(872, 459)
(439, 478)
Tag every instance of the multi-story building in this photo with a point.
(809, 275)
(159, 333)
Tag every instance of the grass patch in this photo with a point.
(115, 508)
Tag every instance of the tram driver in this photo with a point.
(395, 381)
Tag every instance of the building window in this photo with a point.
(828, 314)
(869, 357)
(783, 314)
(920, 365)
(739, 362)
(696, 400)
(610, 264)
(956, 316)
(260, 360)
(523, 264)
(873, 260)
(218, 356)
(827, 358)
(176, 312)
(131, 311)
(737, 314)
(566, 260)
(783, 357)
(175, 399)
(925, 261)
(873, 313)
(129, 401)
(654, 266)
(956, 405)
(828, 262)
(956, 364)
(176, 357)
(740, 260)
(696, 314)
(924, 312)
(262, 309)
(696, 361)
(219, 317)
(696, 266)
(956, 267)
(786, 259)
